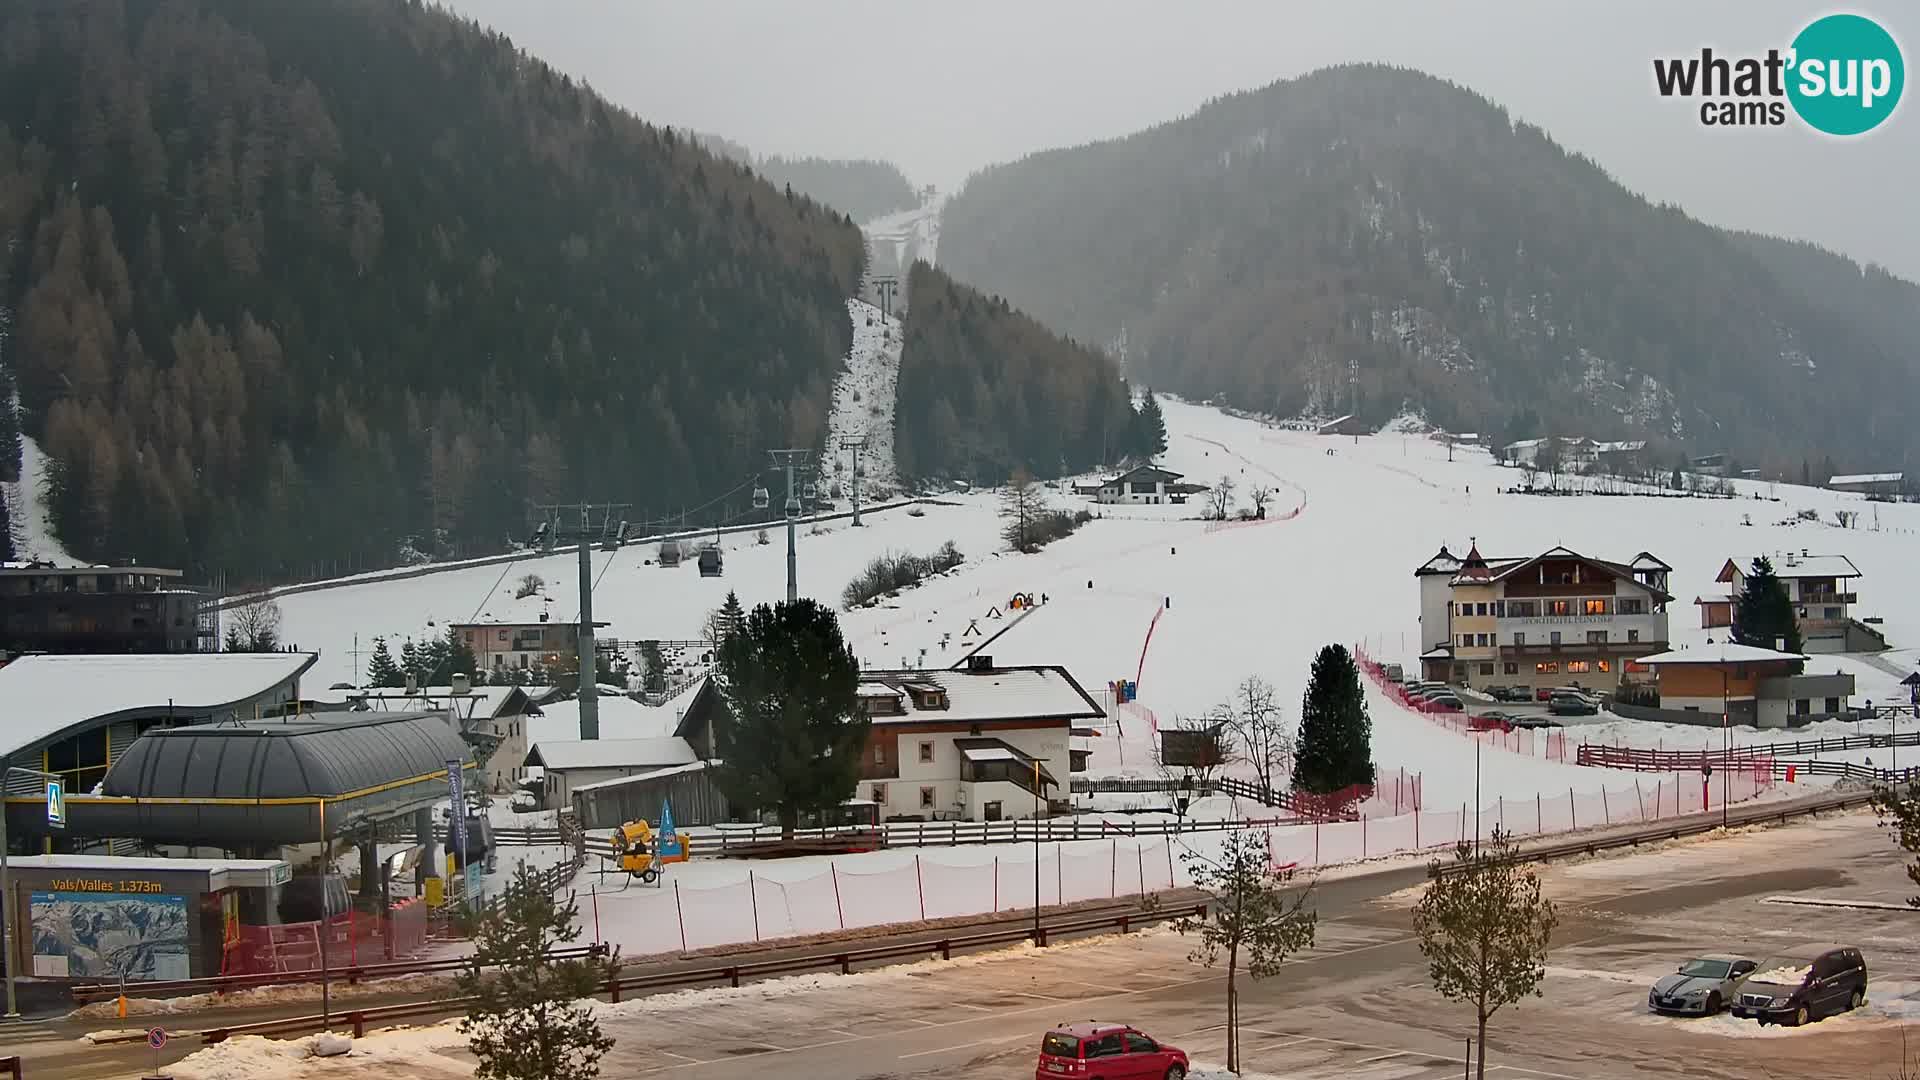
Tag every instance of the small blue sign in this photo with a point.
(56, 805)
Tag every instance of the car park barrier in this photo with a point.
(358, 1021)
(85, 993)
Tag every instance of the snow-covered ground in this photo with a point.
(33, 531)
(900, 239)
(863, 405)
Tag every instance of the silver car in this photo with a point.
(1702, 987)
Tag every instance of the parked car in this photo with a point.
(1535, 722)
(1805, 984)
(1702, 986)
(1565, 704)
(1096, 1051)
(1510, 693)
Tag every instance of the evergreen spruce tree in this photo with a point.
(410, 661)
(1149, 428)
(454, 655)
(7, 549)
(1762, 613)
(381, 670)
(231, 641)
(791, 738)
(654, 676)
(731, 615)
(1336, 735)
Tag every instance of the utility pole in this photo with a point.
(587, 687)
(855, 443)
(886, 286)
(786, 459)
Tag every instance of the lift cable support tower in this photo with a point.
(793, 461)
(855, 443)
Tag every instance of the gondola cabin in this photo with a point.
(711, 563)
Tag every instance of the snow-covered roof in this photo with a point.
(1790, 566)
(654, 774)
(1868, 478)
(1625, 446)
(480, 701)
(1724, 652)
(1016, 693)
(877, 689)
(1445, 562)
(1646, 560)
(43, 696)
(610, 753)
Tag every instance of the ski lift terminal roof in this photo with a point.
(47, 698)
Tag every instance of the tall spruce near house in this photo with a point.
(1366, 239)
(297, 285)
(1336, 734)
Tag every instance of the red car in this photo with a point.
(1094, 1051)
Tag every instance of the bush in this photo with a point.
(1055, 524)
(889, 574)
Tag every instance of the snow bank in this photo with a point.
(33, 528)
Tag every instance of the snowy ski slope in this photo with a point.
(1244, 599)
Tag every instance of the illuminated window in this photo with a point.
(1560, 607)
(1547, 667)
(1578, 667)
(1596, 607)
(1603, 665)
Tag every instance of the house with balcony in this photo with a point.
(1559, 618)
(100, 609)
(981, 743)
(498, 646)
(1822, 590)
(1149, 484)
(1748, 686)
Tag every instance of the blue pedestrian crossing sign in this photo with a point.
(56, 805)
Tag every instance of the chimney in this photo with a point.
(460, 683)
(979, 662)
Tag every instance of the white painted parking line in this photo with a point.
(682, 1057)
(1381, 1057)
(1030, 994)
(965, 1046)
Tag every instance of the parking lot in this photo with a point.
(1358, 1006)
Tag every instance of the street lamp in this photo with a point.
(1036, 852)
(6, 886)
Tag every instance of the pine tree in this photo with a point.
(410, 662)
(654, 674)
(381, 670)
(791, 738)
(527, 1019)
(1336, 735)
(453, 654)
(1763, 616)
(731, 616)
(1149, 428)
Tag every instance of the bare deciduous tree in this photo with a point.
(1021, 504)
(528, 585)
(1259, 731)
(254, 626)
(1261, 496)
(1220, 499)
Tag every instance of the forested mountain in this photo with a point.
(985, 389)
(1371, 218)
(293, 283)
(862, 188)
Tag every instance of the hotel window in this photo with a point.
(1633, 636)
(1596, 637)
(1632, 605)
(1466, 640)
(1487, 669)
(1596, 607)
(879, 753)
(1479, 609)
(1602, 665)
(1523, 609)
(1554, 637)
(1519, 639)
(1513, 668)
(1833, 704)
(880, 793)
(1560, 607)
(1547, 667)
(1499, 609)
(926, 752)
(926, 798)
(1578, 667)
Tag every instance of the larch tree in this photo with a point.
(1484, 927)
(1257, 724)
(792, 730)
(1022, 504)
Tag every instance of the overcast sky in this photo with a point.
(942, 89)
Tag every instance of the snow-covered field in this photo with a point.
(863, 405)
(33, 532)
(1240, 600)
